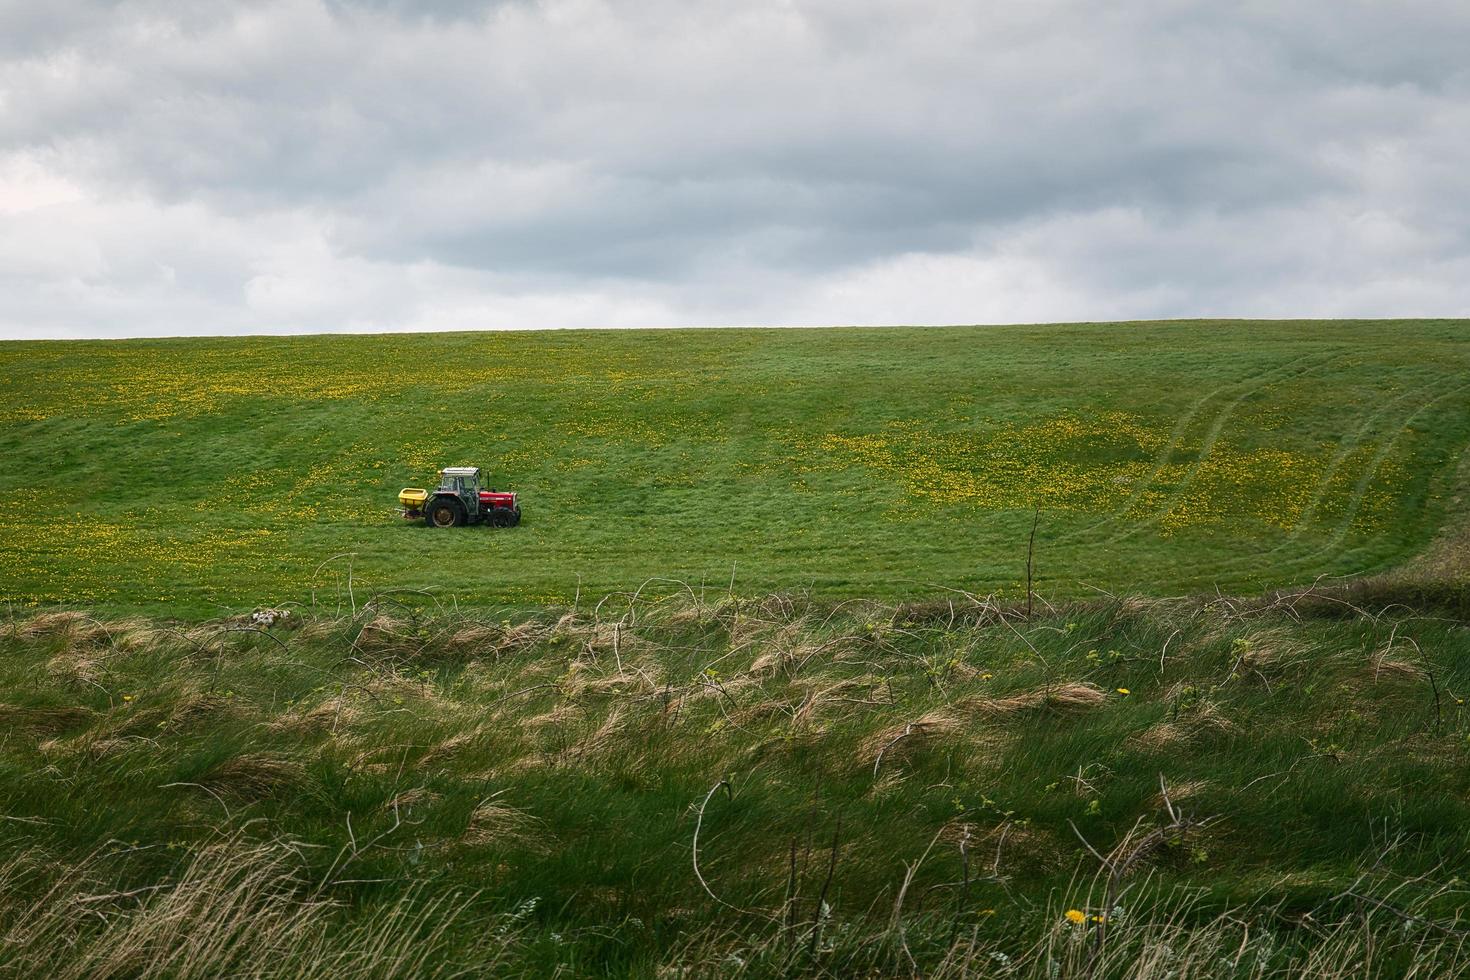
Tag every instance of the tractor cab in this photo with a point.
(464, 483)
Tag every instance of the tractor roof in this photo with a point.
(461, 471)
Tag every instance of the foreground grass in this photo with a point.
(679, 785)
(191, 477)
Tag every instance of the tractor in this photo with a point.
(458, 500)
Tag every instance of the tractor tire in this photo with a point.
(445, 512)
(515, 517)
(502, 517)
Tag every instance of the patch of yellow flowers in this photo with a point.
(58, 559)
(1093, 464)
(161, 380)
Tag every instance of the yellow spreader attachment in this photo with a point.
(412, 498)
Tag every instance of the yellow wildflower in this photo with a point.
(1124, 691)
(1076, 917)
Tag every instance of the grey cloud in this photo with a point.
(441, 11)
(611, 160)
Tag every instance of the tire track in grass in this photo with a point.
(1348, 446)
(1370, 472)
(1345, 450)
(1354, 502)
(1177, 494)
(1161, 460)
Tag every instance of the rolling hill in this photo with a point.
(202, 475)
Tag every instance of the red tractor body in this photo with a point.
(490, 499)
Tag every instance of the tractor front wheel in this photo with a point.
(445, 513)
(502, 517)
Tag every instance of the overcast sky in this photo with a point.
(319, 165)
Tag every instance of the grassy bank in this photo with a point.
(194, 477)
(687, 785)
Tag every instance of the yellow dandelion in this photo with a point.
(1076, 917)
(1124, 691)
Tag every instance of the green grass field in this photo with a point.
(761, 788)
(194, 477)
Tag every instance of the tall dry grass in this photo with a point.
(236, 908)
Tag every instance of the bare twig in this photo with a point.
(896, 924)
(817, 910)
(907, 731)
(1030, 552)
(694, 851)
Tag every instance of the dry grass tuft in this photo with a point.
(1069, 698)
(385, 635)
(73, 624)
(1385, 666)
(330, 715)
(745, 630)
(93, 745)
(762, 709)
(692, 613)
(407, 800)
(725, 689)
(1200, 725)
(849, 694)
(770, 662)
(1270, 653)
(394, 692)
(134, 635)
(43, 722)
(568, 624)
(77, 666)
(192, 710)
(639, 681)
(84, 633)
(522, 637)
(249, 778)
(450, 747)
(902, 741)
(564, 713)
(613, 639)
(316, 630)
(497, 824)
(474, 639)
(598, 741)
(789, 647)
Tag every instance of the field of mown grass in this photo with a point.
(671, 786)
(203, 476)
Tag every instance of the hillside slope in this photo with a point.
(195, 476)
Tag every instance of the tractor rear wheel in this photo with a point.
(445, 512)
